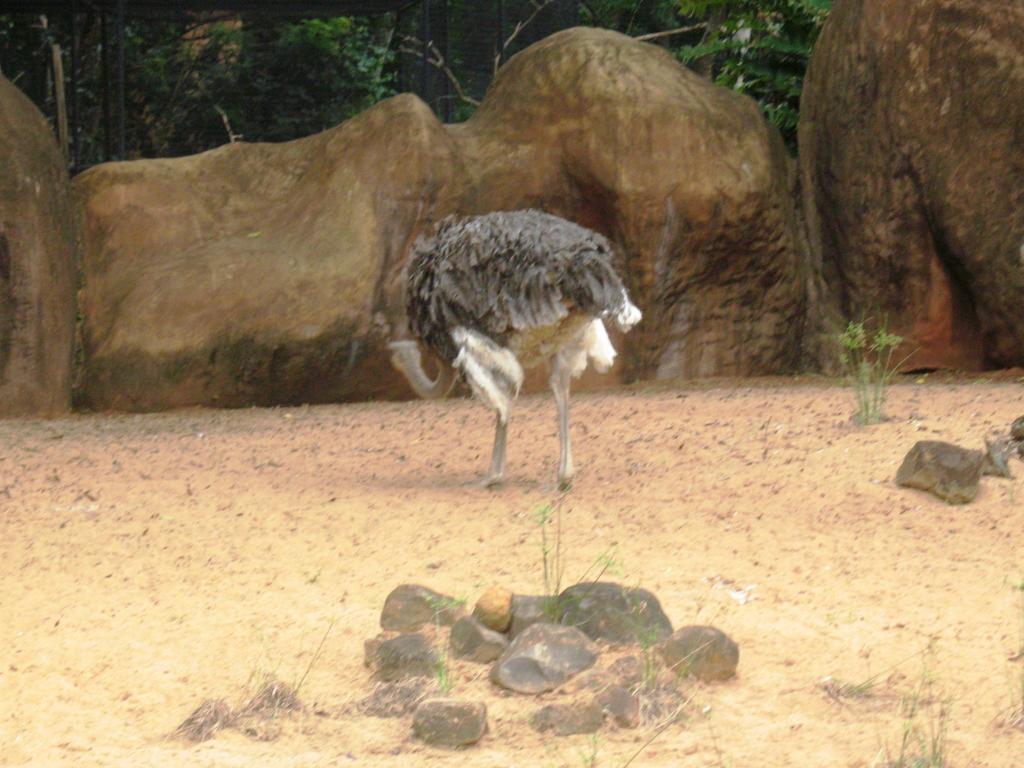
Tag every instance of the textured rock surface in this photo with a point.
(37, 263)
(543, 657)
(450, 722)
(707, 653)
(686, 177)
(256, 273)
(410, 606)
(948, 471)
(910, 151)
(473, 641)
(272, 273)
(407, 655)
(567, 719)
(527, 610)
(609, 611)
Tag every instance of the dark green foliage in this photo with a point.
(196, 84)
(193, 85)
(758, 47)
(260, 79)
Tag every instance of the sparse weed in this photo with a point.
(1014, 716)
(841, 689)
(553, 561)
(923, 732)
(588, 754)
(551, 553)
(442, 667)
(1019, 588)
(869, 365)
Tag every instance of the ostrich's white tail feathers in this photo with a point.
(627, 315)
(492, 371)
(598, 347)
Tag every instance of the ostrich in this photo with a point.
(491, 295)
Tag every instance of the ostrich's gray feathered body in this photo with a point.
(505, 273)
(494, 294)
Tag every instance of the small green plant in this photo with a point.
(442, 667)
(551, 553)
(1019, 588)
(868, 360)
(588, 754)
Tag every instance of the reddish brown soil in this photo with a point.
(149, 562)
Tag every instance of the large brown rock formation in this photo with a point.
(256, 273)
(37, 263)
(912, 157)
(272, 273)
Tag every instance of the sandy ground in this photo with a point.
(149, 562)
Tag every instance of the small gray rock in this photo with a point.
(446, 722)
(1017, 428)
(706, 653)
(948, 471)
(621, 705)
(471, 640)
(608, 611)
(410, 606)
(407, 655)
(997, 455)
(527, 610)
(569, 718)
(543, 657)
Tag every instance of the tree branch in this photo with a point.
(520, 26)
(669, 32)
(435, 59)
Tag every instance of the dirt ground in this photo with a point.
(148, 562)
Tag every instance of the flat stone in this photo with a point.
(608, 611)
(706, 653)
(473, 641)
(447, 722)
(407, 655)
(542, 658)
(410, 606)
(948, 471)
(494, 609)
(528, 610)
(567, 719)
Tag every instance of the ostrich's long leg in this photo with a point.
(560, 378)
(497, 473)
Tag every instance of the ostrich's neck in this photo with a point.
(423, 385)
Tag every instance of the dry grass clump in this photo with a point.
(208, 718)
(271, 699)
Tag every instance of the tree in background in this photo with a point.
(195, 84)
(257, 79)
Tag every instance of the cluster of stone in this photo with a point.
(535, 645)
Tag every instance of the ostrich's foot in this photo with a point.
(492, 480)
(564, 482)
